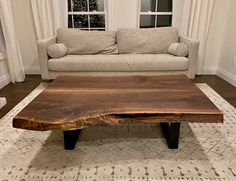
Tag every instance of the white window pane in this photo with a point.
(70, 21)
(164, 6)
(80, 5)
(82, 14)
(96, 5)
(148, 5)
(85, 29)
(147, 21)
(97, 21)
(163, 20)
(103, 29)
(69, 5)
(80, 21)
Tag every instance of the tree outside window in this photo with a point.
(87, 14)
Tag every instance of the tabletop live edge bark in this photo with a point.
(71, 103)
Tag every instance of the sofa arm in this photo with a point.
(43, 56)
(192, 56)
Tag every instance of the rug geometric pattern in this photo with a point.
(127, 152)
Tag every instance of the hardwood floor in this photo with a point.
(226, 90)
(14, 93)
(17, 92)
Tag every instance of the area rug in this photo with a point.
(127, 153)
(3, 102)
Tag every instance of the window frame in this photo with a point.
(88, 13)
(151, 13)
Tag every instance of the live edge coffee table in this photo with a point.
(72, 103)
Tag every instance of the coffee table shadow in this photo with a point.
(126, 143)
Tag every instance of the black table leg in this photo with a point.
(171, 132)
(70, 139)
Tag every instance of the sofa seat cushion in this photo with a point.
(118, 63)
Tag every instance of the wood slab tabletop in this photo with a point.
(76, 102)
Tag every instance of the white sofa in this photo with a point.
(125, 52)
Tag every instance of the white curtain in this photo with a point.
(2, 43)
(193, 18)
(14, 58)
(49, 15)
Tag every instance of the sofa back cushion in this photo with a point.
(81, 42)
(146, 41)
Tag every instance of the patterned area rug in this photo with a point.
(3, 102)
(128, 152)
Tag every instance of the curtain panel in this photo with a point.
(49, 15)
(193, 19)
(2, 44)
(14, 58)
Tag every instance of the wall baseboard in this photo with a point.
(33, 70)
(209, 70)
(4, 80)
(227, 76)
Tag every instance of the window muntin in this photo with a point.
(87, 14)
(155, 13)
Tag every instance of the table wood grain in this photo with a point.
(77, 102)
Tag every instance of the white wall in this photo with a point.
(215, 37)
(227, 69)
(221, 44)
(26, 34)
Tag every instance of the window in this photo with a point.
(87, 14)
(155, 13)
